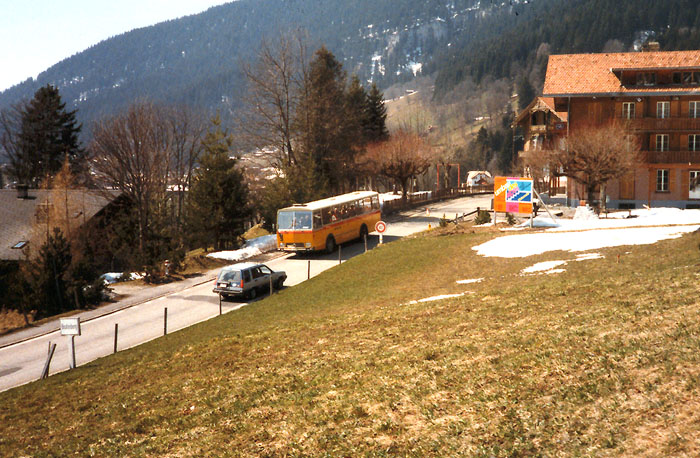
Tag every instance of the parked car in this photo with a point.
(247, 279)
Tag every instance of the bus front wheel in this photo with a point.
(330, 244)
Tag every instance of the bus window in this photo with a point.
(375, 202)
(317, 220)
(303, 220)
(285, 220)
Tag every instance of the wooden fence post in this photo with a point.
(45, 372)
(116, 332)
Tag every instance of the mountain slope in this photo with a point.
(195, 60)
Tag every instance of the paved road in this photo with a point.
(140, 315)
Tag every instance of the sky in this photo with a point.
(36, 34)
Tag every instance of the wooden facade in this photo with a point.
(656, 96)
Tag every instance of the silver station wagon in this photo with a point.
(247, 279)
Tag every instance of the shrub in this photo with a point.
(482, 217)
(510, 219)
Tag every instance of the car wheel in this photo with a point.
(330, 244)
(252, 293)
(280, 283)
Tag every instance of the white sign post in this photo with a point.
(381, 228)
(71, 327)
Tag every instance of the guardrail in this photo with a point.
(418, 199)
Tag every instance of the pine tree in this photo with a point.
(48, 134)
(375, 116)
(357, 101)
(218, 200)
(48, 275)
(322, 115)
(525, 92)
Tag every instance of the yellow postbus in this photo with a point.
(323, 224)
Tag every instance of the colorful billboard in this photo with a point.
(512, 195)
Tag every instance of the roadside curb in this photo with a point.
(106, 313)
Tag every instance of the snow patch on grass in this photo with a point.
(471, 280)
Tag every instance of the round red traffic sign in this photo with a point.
(380, 227)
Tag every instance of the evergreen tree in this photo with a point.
(322, 114)
(375, 116)
(48, 276)
(526, 93)
(218, 199)
(48, 134)
(356, 107)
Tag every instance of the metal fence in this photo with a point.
(426, 197)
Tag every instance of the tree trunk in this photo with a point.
(603, 205)
(590, 194)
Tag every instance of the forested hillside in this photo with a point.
(196, 60)
(568, 26)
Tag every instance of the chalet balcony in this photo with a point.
(663, 124)
(672, 157)
(538, 129)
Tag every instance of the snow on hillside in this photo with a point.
(643, 227)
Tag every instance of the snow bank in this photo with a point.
(520, 246)
(252, 247)
(114, 277)
(586, 234)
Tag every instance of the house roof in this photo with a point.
(593, 74)
(541, 103)
(18, 216)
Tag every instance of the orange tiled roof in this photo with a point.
(591, 74)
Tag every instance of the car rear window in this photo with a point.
(230, 275)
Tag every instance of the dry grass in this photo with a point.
(599, 361)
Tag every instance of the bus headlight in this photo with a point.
(307, 244)
(281, 245)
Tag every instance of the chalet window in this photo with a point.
(662, 142)
(662, 180)
(687, 77)
(693, 142)
(646, 79)
(628, 110)
(696, 77)
(663, 109)
(694, 184)
(677, 78)
(694, 111)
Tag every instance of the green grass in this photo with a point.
(602, 360)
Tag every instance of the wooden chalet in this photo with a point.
(655, 95)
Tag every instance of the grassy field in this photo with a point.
(602, 360)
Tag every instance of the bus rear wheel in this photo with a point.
(330, 244)
(363, 232)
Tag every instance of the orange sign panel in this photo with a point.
(512, 195)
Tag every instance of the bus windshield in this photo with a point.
(294, 219)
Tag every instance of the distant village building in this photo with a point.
(478, 178)
(655, 95)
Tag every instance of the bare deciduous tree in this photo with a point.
(403, 157)
(595, 155)
(130, 152)
(187, 128)
(274, 82)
